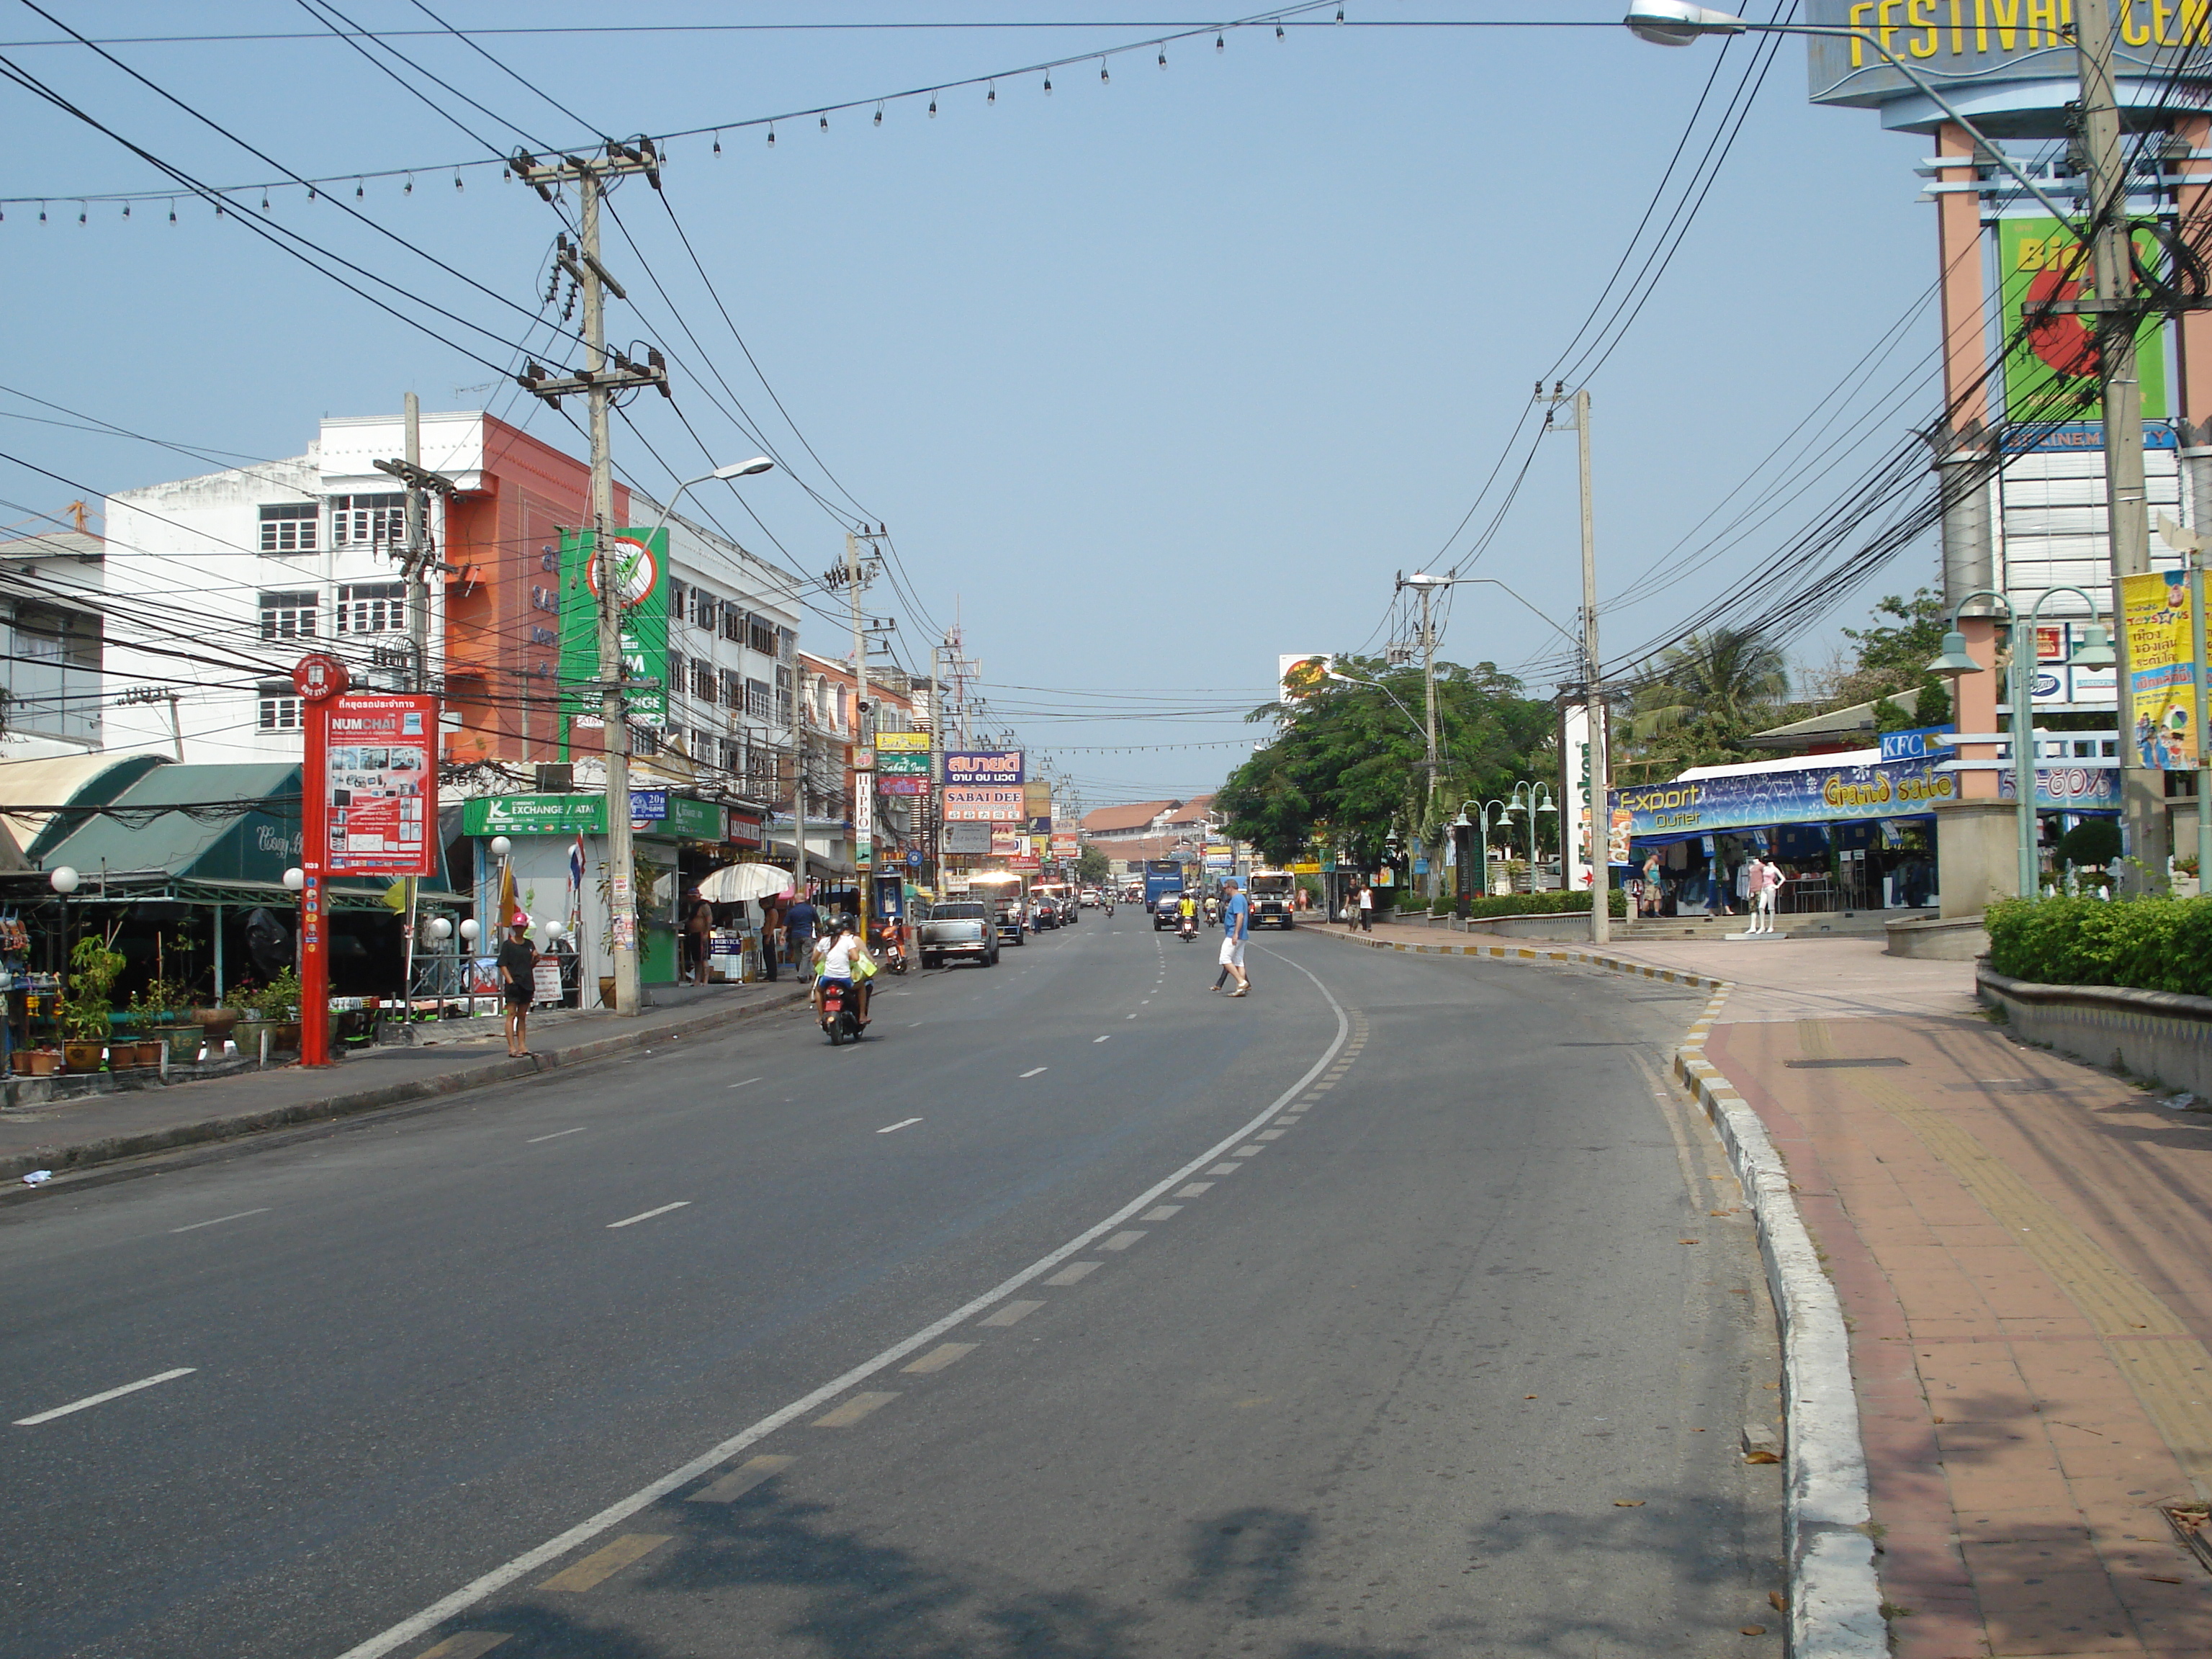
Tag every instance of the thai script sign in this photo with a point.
(2161, 693)
(973, 804)
(969, 766)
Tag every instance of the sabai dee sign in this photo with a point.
(1002, 766)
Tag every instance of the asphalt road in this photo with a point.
(1077, 1312)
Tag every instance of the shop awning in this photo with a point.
(30, 790)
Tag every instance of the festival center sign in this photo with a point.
(1815, 795)
(2050, 374)
(2162, 691)
(640, 560)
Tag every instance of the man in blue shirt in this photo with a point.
(798, 933)
(1235, 923)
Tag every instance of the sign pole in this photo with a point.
(318, 680)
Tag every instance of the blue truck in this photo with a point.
(1161, 876)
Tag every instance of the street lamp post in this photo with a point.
(2096, 651)
(64, 881)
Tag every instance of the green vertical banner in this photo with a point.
(641, 558)
(2050, 371)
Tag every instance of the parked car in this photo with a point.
(958, 930)
(1043, 913)
(1090, 898)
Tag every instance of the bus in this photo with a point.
(1006, 893)
(1274, 896)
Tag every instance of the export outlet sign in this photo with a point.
(975, 804)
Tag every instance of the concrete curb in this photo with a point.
(1835, 1594)
(82, 1163)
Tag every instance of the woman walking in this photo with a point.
(518, 978)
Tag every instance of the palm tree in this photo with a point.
(1723, 680)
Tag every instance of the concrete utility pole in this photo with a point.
(1427, 586)
(798, 788)
(1600, 826)
(864, 781)
(938, 706)
(598, 384)
(2142, 791)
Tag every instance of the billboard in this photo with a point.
(1979, 47)
(639, 559)
(972, 804)
(991, 766)
(373, 808)
(1813, 795)
(2161, 692)
(2051, 374)
(1297, 677)
(967, 840)
(903, 743)
(1574, 790)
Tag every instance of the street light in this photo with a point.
(1678, 24)
(64, 881)
(751, 469)
(1953, 661)
(1530, 798)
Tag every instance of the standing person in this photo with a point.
(1236, 922)
(771, 935)
(1654, 891)
(1366, 909)
(698, 935)
(518, 983)
(798, 925)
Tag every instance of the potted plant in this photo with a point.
(85, 1024)
(154, 1012)
(35, 1062)
(280, 1004)
(243, 1000)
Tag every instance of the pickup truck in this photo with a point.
(958, 928)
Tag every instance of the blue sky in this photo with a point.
(1152, 379)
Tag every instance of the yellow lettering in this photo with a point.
(1883, 27)
(2031, 253)
(2008, 23)
(2131, 31)
(1981, 26)
(1858, 22)
(2191, 15)
(1958, 28)
(1931, 36)
(2158, 18)
(2047, 12)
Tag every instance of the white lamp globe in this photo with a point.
(501, 847)
(63, 879)
(441, 929)
(469, 930)
(295, 878)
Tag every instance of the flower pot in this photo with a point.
(35, 1062)
(286, 1036)
(606, 990)
(184, 1045)
(83, 1056)
(217, 1022)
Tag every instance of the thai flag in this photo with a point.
(576, 863)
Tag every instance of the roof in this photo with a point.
(61, 780)
(1196, 808)
(1836, 725)
(1793, 764)
(1106, 820)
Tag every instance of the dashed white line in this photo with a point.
(903, 1122)
(556, 1135)
(632, 1221)
(194, 1226)
(1109, 1037)
(740, 1085)
(103, 1397)
(1033, 1070)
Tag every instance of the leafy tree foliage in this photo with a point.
(1347, 765)
(1697, 704)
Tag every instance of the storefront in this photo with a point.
(1850, 831)
(559, 860)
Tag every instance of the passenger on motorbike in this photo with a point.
(1187, 906)
(844, 959)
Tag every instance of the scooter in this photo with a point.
(841, 1012)
(1188, 931)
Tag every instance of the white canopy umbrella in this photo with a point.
(739, 882)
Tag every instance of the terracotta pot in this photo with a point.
(606, 990)
(184, 1046)
(35, 1062)
(217, 1022)
(287, 1037)
(83, 1056)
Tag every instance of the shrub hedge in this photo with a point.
(1534, 904)
(2144, 944)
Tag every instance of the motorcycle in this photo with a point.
(841, 1012)
(1188, 931)
(890, 953)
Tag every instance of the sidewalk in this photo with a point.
(86, 1140)
(2019, 1246)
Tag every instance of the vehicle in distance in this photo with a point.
(1043, 913)
(1162, 876)
(1003, 891)
(1167, 914)
(959, 930)
(1274, 899)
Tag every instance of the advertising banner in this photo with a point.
(889, 783)
(2068, 789)
(967, 840)
(969, 766)
(694, 820)
(1037, 803)
(2161, 701)
(1065, 846)
(1921, 743)
(534, 815)
(639, 560)
(1006, 844)
(974, 805)
(375, 809)
(892, 763)
(746, 830)
(1300, 676)
(1813, 795)
(1574, 793)
(2052, 375)
(902, 743)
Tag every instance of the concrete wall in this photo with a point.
(2148, 1034)
(1977, 854)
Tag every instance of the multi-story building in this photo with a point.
(835, 728)
(218, 583)
(51, 688)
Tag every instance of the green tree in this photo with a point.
(1348, 765)
(1696, 705)
(1093, 867)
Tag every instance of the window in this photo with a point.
(734, 757)
(290, 528)
(704, 608)
(783, 697)
(644, 740)
(786, 644)
(761, 634)
(733, 690)
(372, 607)
(366, 521)
(733, 623)
(678, 672)
(288, 616)
(676, 591)
(762, 773)
(703, 681)
(280, 707)
(756, 700)
(702, 745)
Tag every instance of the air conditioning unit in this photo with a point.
(557, 779)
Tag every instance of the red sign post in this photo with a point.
(371, 808)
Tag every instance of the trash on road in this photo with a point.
(38, 1177)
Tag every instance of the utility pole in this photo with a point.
(799, 789)
(864, 782)
(598, 384)
(146, 694)
(939, 706)
(2142, 807)
(1426, 586)
(1600, 826)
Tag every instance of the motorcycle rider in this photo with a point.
(1187, 908)
(840, 959)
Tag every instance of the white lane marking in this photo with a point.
(890, 1128)
(1122, 1241)
(556, 1135)
(740, 1085)
(918, 1022)
(102, 1398)
(1129, 1016)
(194, 1226)
(1109, 1037)
(1033, 1070)
(490, 1583)
(632, 1221)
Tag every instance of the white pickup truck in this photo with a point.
(958, 929)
